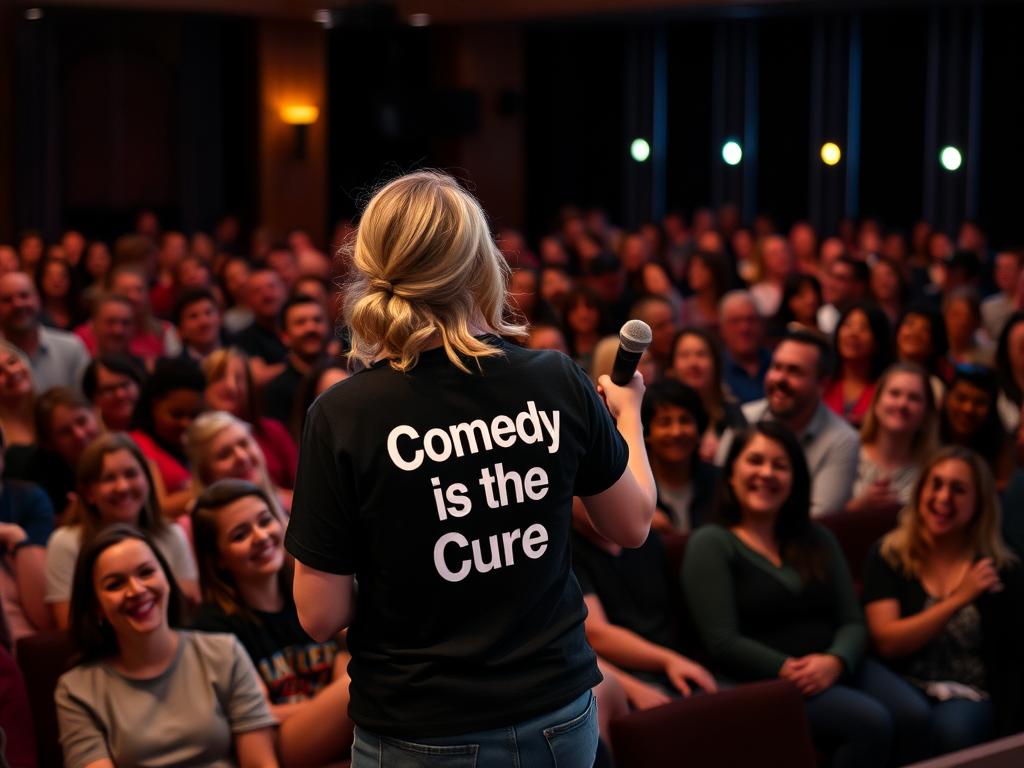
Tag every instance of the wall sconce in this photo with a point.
(301, 116)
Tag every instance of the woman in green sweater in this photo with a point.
(771, 596)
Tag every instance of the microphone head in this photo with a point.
(635, 336)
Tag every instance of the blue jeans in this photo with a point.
(565, 738)
(925, 727)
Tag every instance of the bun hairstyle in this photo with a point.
(425, 268)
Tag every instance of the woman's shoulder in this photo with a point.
(65, 537)
(220, 647)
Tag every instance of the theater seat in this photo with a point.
(857, 532)
(675, 548)
(43, 658)
(760, 724)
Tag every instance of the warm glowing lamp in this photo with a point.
(301, 116)
(830, 153)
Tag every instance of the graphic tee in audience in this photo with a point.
(449, 497)
(66, 541)
(186, 715)
(293, 666)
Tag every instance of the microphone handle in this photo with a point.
(625, 366)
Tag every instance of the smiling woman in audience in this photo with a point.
(899, 433)
(221, 446)
(944, 600)
(969, 418)
(247, 591)
(146, 692)
(863, 350)
(114, 486)
(771, 596)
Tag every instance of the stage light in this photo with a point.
(732, 152)
(640, 150)
(419, 19)
(950, 158)
(324, 18)
(33, 14)
(830, 153)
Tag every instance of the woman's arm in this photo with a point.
(895, 637)
(325, 601)
(707, 583)
(623, 646)
(255, 749)
(623, 512)
(172, 505)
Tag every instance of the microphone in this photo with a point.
(634, 337)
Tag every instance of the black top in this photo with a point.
(635, 587)
(449, 496)
(25, 505)
(279, 394)
(292, 665)
(257, 341)
(44, 468)
(1002, 633)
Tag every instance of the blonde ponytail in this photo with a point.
(426, 270)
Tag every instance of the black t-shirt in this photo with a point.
(257, 341)
(292, 665)
(449, 496)
(279, 394)
(635, 588)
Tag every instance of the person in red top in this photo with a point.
(863, 348)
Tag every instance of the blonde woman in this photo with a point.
(221, 446)
(17, 396)
(943, 601)
(441, 476)
(900, 431)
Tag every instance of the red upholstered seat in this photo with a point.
(757, 724)
(857, 532)
(43, 658)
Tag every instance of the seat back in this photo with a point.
(760, 724)
(43, 658)
(857, 532)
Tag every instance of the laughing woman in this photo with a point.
(146, 692)
(944, 600)
(247, 591)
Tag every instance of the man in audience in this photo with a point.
(282, 260)
(261, 339)
(997, 308)
(658, 312)
(110, 330)
(744, 359)
(846, 283)
(635, 619)
(197, 318)
(58, 358)
(26, 522)
(306, 333)
(793, 387)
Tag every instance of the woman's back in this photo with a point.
(449, 498)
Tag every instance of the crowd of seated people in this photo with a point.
(153, 390)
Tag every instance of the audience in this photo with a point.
(305, 332)
(221, 446)
(697, 380)
(229, 387)
(899, 433)
(57, 357)
(246, 577)
(744, 358)
(169, 402)
(147, 692)
(114, 383)
(793, 388)
(771, 596)
(944, 599)
(113, 485)
(862, 350)
(17, 396)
